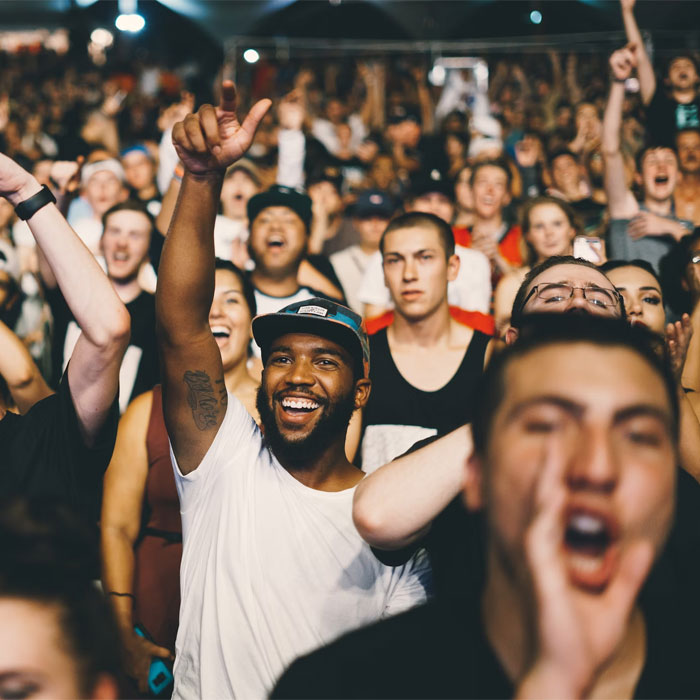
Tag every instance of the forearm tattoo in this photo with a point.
(202, 398)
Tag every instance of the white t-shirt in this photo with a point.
(350, 265)
(271, 569)
(471, 290)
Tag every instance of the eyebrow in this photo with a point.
(417, 252)
(319, 350)
(587, 285)
(577, 410)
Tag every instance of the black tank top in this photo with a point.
(398, 414)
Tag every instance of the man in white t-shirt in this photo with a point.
(272, 564)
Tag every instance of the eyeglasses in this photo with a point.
(555, 293)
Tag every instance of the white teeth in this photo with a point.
(121, 256)
(299, 403)
(221, 330)
(588, 524)
(584, 564)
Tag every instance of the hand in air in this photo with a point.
(678, 337)
(212, 139)
(623, 62)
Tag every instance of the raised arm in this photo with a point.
(93, 372)
(621, 202)
(645, 71)
(19, 370)
(394, 506)
(194, 393)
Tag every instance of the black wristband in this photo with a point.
(26, 209)
(618, 80)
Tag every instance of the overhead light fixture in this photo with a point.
(129, 20)
(130, 23)
(536, 17)
(251, 56)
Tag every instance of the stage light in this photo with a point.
(535, 17)
(102, 37)
(130, 23)
(251, 56)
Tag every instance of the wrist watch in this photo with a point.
(26, 209)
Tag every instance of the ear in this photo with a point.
(637, 178)
(511, 335)
(362, 391)
(472, 487)
(453, 263)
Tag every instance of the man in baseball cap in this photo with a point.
(276, 497)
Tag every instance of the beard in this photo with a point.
(332, 424)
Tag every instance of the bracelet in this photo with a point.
(122, 595)
(618, 80)
(26, 209)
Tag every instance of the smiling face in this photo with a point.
(125, 244)
(490, 191)
(307, 395)
(237, 189)
(642, 294)
(550, 231)
(659, 173)
(229, 319)
(566, 173)
(277, 241)
(611, 427)
(416, 271)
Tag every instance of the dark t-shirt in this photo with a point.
(666, 117)
(439, 650)
(44, 456)
(140, 368)
(398, 414)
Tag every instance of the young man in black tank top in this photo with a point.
(426, 361)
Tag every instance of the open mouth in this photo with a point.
(297, 409)
(661, 179)
(121, 257)
(589, 542)
(220, 332)
(639, 322)
(275, 242)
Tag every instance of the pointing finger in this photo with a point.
(229, 98)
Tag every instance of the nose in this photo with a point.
(594, 464)
(409, 270)
(300, 373)
(577, 301)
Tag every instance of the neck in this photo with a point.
(490, 225)
(127, 290)
(329, 471)
(237, 377)
(683, 95)
(689, 181)
(368, 248)
(426, 332)
(658, 206)
(283, 285)
(148, 192)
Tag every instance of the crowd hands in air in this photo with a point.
(461, 436)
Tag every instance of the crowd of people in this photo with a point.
(373, 389)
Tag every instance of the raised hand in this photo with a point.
(16, 184)
(627, 4)
(66, 174)
(623, 62)
(212, 139)
(577, 633)
(678, 337)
